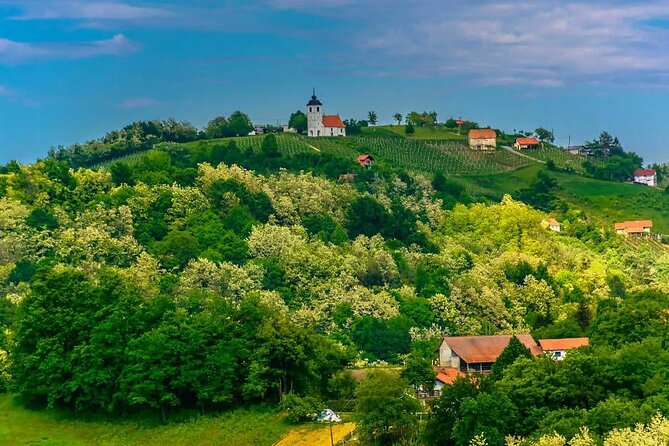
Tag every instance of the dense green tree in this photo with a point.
(239, 124)
(372, 118)
(216, 128)
(398, 117)
(509, 355)
(40, 218)
(366, 216)
(386, 409)
(298, 121)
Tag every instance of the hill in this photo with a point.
(490, 174)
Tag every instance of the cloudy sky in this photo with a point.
(71, 70)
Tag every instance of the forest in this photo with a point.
(213, 278)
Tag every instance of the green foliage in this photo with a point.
(383, 339)
(418, 372)
(409, 129)
(298, 121)
(509, 355)
(300, 409)
(40, 218)
(386, 410)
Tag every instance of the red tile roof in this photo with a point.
(553, 222)
(477, 349)
(634, 226)
(527, 141)
(332, 121)
(644, 172)
(364, 157)
(482, 134)
(459, 121)
(562, 344)
(448, 375)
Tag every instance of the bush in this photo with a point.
(409, 130)
(300, 409)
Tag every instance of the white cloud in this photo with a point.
(138, 103)
(547, 43)
(12, 52)
(86, 10)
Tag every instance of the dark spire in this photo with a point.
(314, 100)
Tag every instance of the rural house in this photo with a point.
(577, 150)
(526, 143)
(551, 224)
(365, 161)
(482, 139)
(645, 176)
(445, 377)
(634, 228)
(319, 124)
(478, 353)
(557, 348)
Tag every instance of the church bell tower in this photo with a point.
(314, 116)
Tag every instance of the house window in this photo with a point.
(318, 109)
(331, 132)
(318, 133)
(309, 109)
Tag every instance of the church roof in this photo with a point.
(314, 100)
(332, 121)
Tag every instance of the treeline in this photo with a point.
(97, 342)
(141, 136)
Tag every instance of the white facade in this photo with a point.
(319, 124)
(648, 180)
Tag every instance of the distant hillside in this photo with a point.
(491, 174)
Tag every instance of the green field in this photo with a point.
(19, 426)
(434, 132)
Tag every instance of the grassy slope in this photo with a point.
(238, 428)
(436, 132)
(607, 201)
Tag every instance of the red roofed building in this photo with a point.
(557, 348)
(365, 160)
(526, 143)
(478, 353)
(645, 176)
(482, 139)
(320, 124)
(634, 228)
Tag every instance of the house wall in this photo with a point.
(447, 358)
(648, 180)
(315, 120)
(334, 131)
(485, 143)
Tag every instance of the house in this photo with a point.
(551, 224)
(557, 348)
(459, 122)
(645, 176)
(478, 353)
(526, 143)
(288, 129)
(319, 124)
(445, 377)
(634, 228)
(365, 161)
(577, 150)
(482, 139)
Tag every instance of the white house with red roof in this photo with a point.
(320, 124)
(645, 176)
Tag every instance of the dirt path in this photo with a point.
(523, 155)
(316, 436)
(315, 148)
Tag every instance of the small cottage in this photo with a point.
(482, 139)
(634, 228)
(526, 143)
(557, 348)
(551, 224)
(645, 176)
(445, 377)
(365, 161)
(478, 353)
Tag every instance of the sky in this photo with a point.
(71, 70)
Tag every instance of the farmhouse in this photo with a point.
(577, 150)
(445, 377)
(482, 139)
(478, 353)
(557, 348)
(551, 224)
(319, 124)
(645, 176)
(365, 161)
(526, 143)
(634, 228)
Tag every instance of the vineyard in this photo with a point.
(452, 158)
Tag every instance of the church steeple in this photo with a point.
(314, 100)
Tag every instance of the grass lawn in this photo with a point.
(19, 426)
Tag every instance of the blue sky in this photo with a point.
(70, 70)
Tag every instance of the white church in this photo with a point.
(319, 124)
